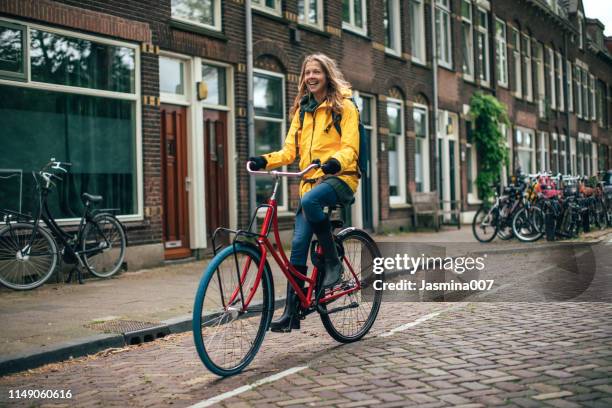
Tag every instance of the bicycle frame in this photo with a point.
(265, 246)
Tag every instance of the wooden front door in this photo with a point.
(174, 179)
(216, 167)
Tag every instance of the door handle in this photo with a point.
(187, 183)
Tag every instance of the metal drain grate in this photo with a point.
(121, 326)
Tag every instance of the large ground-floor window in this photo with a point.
(95, 134)
(524, 139)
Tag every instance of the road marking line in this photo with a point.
(409, 325)
(245, 388)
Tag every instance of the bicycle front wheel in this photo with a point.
(103, 246)
(228, 329)
(351, 316)
(528, 224)
(27, 259)
(485, 224)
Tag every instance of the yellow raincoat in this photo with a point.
(319, 139)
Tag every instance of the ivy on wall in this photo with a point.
(487, 115)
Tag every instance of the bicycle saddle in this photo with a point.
(91, 198)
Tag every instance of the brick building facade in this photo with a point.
(173, 108)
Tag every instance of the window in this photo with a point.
(391, 22)
(573, 164)
(559, 69)
(367, 114)
(467, 31)
(599, 97)
(527, 77)
(270, 6)
(501, 53)
(482, 44)
(602, 155)
(206, 13)
(13, 51)
(268, 101)
(578, 93)
(443, 33)
(554, 165)
(540, 78)
(580, 30)
(354, 15)
(592, 98)
(542, 149)
(421, 155)
(216, 82)
(171, 76)
(56, 114)
(551, 78)
(397, 152)
(417, 30)
(585, 95)
(515, 42)
(310, 12)
(525, 150)
(570, 85)
(562, 154)
(471, 164)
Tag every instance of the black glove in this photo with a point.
(259, 162)
(332, 166)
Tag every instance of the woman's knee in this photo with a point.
(311, 205)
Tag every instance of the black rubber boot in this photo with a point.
(289, 319)
(332, 265)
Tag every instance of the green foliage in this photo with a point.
(487, 114)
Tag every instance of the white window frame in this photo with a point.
(425, 153)
(395, 26)
(573, 157)
(304, 19)
(135, 96)
(531, 149)
(417, 32)
(501, 54)
(555, 153)
(580, 30)
(542, 149)
(551, 77)
(578, 81)
(282, 207)
(570, 86)
(484, 75)
(516, 56)
(469, 21)
(444, 42)
(350, 25)
(593, 101)
(401, 199)
(218, 20)
(526, 63)
(541, 76)
(276, 10)
(178, 99)
(563, 154)
(585, 94)
(559, 70)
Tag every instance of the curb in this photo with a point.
(90, 345)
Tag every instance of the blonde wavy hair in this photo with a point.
(335, 83)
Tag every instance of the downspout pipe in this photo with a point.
(434, 68)
(250, 106)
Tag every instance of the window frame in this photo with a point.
(425, 154)
(559, 71)
(396, 28)
(593, 101)
(501, 44)
(446, 42)
(282, 206)
(531, 149)
(135, 97)
(468, 21)
(277, 10)
(401, 199)
(527, 78)
(350, 25)
(420, 34)
(304, 21)
(178, 99)
(484, 74)
(541, 79)
(218, 26)
(563, 153)
(554, 149)
(570, 86)
(25, 47)
(552, 78)
(516, 56)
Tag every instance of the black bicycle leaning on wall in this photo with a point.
(29, 253)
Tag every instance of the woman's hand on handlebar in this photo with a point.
(258, 162)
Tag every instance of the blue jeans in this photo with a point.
(311, 211)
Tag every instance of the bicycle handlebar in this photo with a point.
(277, 173)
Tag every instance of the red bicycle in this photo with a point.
(234, 303)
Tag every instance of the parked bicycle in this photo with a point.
(29, 253)
(235, 299)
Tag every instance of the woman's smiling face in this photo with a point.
(316, 81)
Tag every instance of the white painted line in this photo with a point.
(411, 324)
(245, 388)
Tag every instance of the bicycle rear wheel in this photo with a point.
(358, 308)
(227, 337)
(103, 245)
(528, 224)
(26, 261)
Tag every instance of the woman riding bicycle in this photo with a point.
(323, 95)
